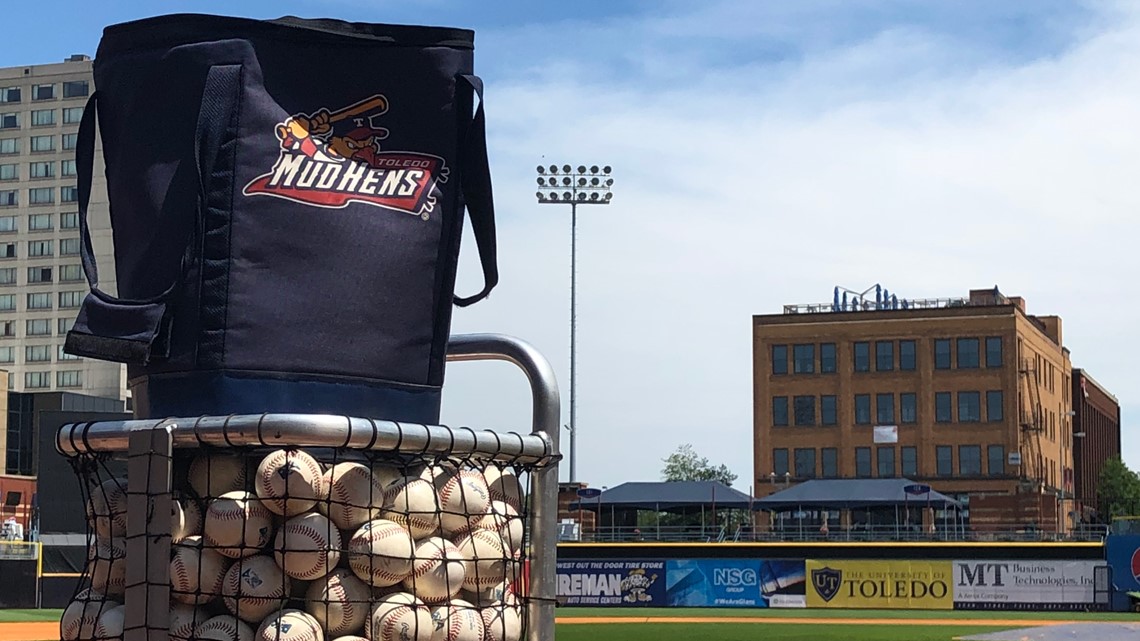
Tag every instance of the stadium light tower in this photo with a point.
(564, 186)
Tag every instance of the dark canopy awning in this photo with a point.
(667, 495)
(852, 493)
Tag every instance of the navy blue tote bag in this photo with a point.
(287, 201)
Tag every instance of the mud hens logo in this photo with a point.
(333, 158)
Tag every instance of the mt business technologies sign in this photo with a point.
(1024, 585)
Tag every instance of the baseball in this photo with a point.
(499, 593)
(438, 571)
(254, 587)
(290, 625)
(504, 485)
(502, 622)
(108, 508)
(355, 495)
(81, 617)
(503, 520)
(185, 518)
(339, 602)
(457, 621)
(380, 553)
(385, 474)
(196, 572)
(223, 628)
(237, 524)
(351, 637)
(289, 482)
(110, 625)
(462, 494)
(488, 563)
(412, 502)
(400, 617)
(307, 547)
(109, 567)
(212, 475)
(183, 619)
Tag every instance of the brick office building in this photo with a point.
(1096, 427)
(975, 394)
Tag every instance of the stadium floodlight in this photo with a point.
(565, 186)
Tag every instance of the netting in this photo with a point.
(272, 543)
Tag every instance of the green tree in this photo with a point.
(686, 465)
(1118, 491)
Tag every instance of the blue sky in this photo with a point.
(764, 153)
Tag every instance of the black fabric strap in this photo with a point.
(84, 167)
(476, 185)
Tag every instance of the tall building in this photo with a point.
(41, 277)
(1096, 426)
(970, 395)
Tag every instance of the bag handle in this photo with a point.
(476, 185)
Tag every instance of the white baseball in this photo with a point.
(385, 474)
(196, 572)
(382, 606)
(238, 524)
(504, 485)
(223, 628)
(185, 518)
(355, 495)
(108, 508)
(351, 637)
(488, 563)
(400, 617)
(81, 616)
(462, 495)
(254, 587)
(212, 475)
(503, 520)
(438, 570)
(339, 602)
(109, 567)
(412, 502)
(500, 593)
(290, 625)
(289, 482)
(184, 619)
(457, 621)
(380, 553)
(110, 625)
(502, 622)
(307, 547)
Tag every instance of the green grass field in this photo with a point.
(23, 616)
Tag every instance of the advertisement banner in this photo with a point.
(731, 583)
(915, 585)
(1123, 554)
(612, 582)
(1023, 585)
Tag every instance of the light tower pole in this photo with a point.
(564, 186)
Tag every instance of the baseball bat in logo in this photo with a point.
(826, 582)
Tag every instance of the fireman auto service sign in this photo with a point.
(617, 582)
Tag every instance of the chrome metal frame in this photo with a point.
(540, 448)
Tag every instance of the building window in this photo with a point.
(41, 196)
(993, 351)
(70, 300)
(780, 461)
(803, 357)
(70, 273)
(10, 94)
(42, 169)
(10, 121)
(69, 378)
(39, 275)
(70, 220)
(64, 325)
(884, 356)
(72, 115)
(829, 458)
(40, 222)
(40, 248)
(862, 409)
(942, 409)
(43, 117)
(908, 407)
(862, 353)
(9, 198)
(804, 407)
(908, 355)
(37, 353)
(8, 224)
(805, 462)
(996, 462)
(994, 402)
(969, 407)
(9, 172)
(942, 353)
(885, 409)
(68, 194)
(909, 461)
(7, 355)
(43, 143)
(41, 300)
(69, 247)
(828, 410)
(969, 460)
(9, 146)
(67, 168)
(827, 358)
(945, 458)
(863, 462)
(8, 303)
(38, 327)
(968, 357)
(43, 92)
(64, 356)
(37, 380)
(886, 462)
(779, 410)
(69, 141)
(8, 276)
(8, 250)
(779, 359)
(8, 329)
(75, 89)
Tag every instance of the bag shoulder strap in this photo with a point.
(476, 185)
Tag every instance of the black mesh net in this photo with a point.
(291, 544)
